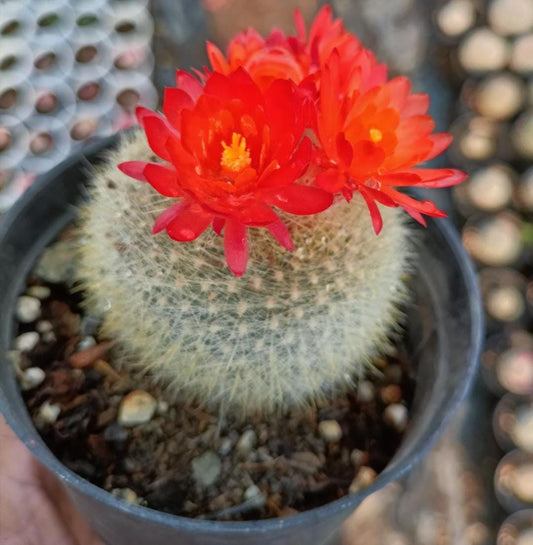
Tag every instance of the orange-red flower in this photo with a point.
(232, 152)
(371, 136)
(287, 57)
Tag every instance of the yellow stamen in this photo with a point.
(376, 135)
(235, 157)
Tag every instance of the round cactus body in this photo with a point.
(296, 327)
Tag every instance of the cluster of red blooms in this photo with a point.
(238, 138)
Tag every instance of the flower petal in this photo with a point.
(287, 174)
(440, 142)
(405, 201)
(189, 84)
(174, 102)
(134, 169)
(331, 180)
(189, 223)
(217, 59)
(236, 247)
(280, 232)
(141, 113)
(301, 200)
(164, 179)
(375, 215)
(344, 149)
(158, 134)
(417, 104)
(440, 177)
(218, 225)
(167, 216)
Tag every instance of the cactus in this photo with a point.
(297, 327)
(296, 140)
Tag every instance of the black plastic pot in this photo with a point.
(445, 328)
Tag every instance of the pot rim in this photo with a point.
(41, 451)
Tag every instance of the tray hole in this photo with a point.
(46, 61)
(8, 98)
(10, 28)
(46, 103)
(86, 54)
(88, 92)
(41, 143)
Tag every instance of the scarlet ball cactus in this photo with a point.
(286, 148)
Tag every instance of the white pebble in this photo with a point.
(162, 407)
(44, 326)
(254, 497)
(397, 416)
(31, 378)
(246, 442)
(49, 337)
(225, 446)
(365, 477)
(357, 457)
(48, 412)
(206, 469)
(330, 431)
(41, 292)
(27, 341)
(126, 494)
(28, 309)
(86, 342)
(365, 391)
(138, 407)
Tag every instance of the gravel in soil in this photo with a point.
(122, 433)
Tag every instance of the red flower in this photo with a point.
(372, 133)
(232, 152)
(286, 57)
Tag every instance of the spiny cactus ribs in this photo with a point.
(296, 327)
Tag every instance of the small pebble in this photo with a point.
(365, 391)
(49, 337)
(393, 373)
(41, 292)
(28, 309)
(162, 407)
(391, 394)
(138, 407)
(397, 416)
(86, 342)
(358, 457)
(48, 412)
(87, 356)
(206, 469)
(246, 442)
(27, 341)
(330, 431)
(365, 477)
(225, 446)
(126, 494)
(31, 378)
(44, 326)
(115, 433)
(306, 461)
(254, 497)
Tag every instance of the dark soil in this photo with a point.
(262, 468)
